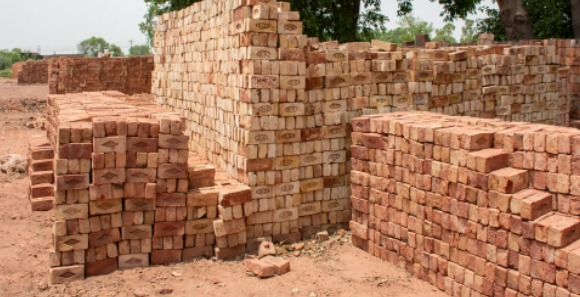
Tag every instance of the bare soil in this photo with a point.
(326, 269)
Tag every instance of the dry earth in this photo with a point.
(327, 270)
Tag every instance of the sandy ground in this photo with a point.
(331, 270)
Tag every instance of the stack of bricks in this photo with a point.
(475, 207)
(121, 174)
(16, 67)
(129, 75)
(130, 194)
(569, 50)
(250, 114)
(513, 83)
(40, 170)
(33, 72)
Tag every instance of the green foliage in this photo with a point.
(555, 24)
(408, 26)
(469, 33)
(7, 73)
(7, 58)
(342, 20)
(92, 46)
(139, 50)
(452, 9)
(445, 33)
(115, 51)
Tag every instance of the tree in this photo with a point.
(556, 24)
(7, 58)
(445, 33)
(512, 14)
(342, 20)
(139, 50)
(93, 46)
(407, 27)
(575, 12)
(115, 51)
(469, 32)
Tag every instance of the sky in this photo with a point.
(57, 26)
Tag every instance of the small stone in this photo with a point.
(297, 253)
(322, 236)
(176, 274)
(266, 249)
(298, 246)
(165, 291)
(295, 291)
(313, 295)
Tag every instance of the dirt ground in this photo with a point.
(332, 270)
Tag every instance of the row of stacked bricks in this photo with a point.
(237, 71)
(122, 195)
(516, 83)
(129, 75)
(475, 207)
(40, 169)
(569, 51)
(33, 72)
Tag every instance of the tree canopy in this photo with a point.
(342, 20)
(139, 50)
(409, 26)
(95, 45)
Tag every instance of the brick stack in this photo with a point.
(41, 173)
(121, 176)
(16, 67)
(253, 117)
(473, 206)
(569, 51)
(33, 72)
(129, 75)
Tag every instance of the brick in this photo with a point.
(488, 160)
(61, 275)
(133, 261)
(160, 257)
(101, 267)
(531, 204)
(508, 180)
(282, 266)
(260, 268)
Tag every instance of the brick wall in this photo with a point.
(475, 207)
(16, 67)
(129, 75)
(33, 72)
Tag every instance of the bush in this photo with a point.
(6, 73)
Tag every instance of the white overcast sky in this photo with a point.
(59, 25)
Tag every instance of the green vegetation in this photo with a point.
(342, 20)
(139, 50)
(7, 58)
(93, 46)
(408, 26)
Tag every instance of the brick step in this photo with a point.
(508, 180)
(557, 230)
(530, 204)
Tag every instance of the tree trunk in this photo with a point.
(575, 5)
(514, 18)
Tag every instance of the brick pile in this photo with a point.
(16, 67)
(33, 72)
(512, 83)
(129, 75)
(475, 207)
(128, 193)
(240, 83)
(40, 169)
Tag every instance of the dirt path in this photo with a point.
(25, 240)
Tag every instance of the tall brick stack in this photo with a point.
(16, 67)
(40, 170)
(475, 207)
(249, 113)
(33, 72)
(128, 192)
(128, 75)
